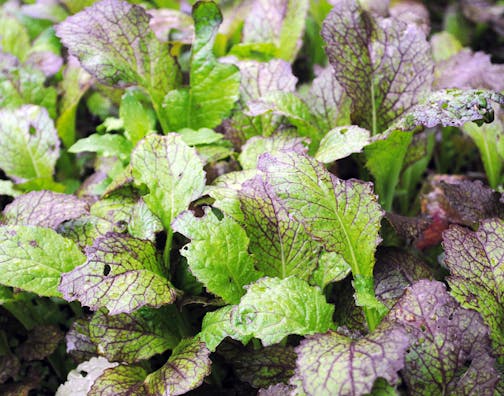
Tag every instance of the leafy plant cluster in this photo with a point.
(298, 198)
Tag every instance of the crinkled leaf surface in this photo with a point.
(340, 142)
(214, 87)
(259, 145)
(143, 223)
(449, 345)
(331, 267)
(279, 243)
(262, 367)
(259, 78)
(333, 364)
(132, 337)
(274, 308)
(451, 107)
(343, 215)
(186, 368)
(44, 209)
(121, 273)
(29, 141)
(81, 379)
(218, 254)
(86, 229)
(384, 65)
(113, 41)
(280, 22)
(476, 264)
(171, 170)
(34, 258)
(120, 381)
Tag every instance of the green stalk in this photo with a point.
(167, 250)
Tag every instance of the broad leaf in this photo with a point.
(449, 346)
(133, 337)
(352, 366)
(476, 264)
(274, 308)
(34, 258)
(81, 379)
(121, 273)
(214, 87)
(384, 65)
(105, 145)
(120, 381)
(29, 141)
(340, 142)
(186, 368)
(343, 215)
(280, 22)
(172, 172)
(43, 209)
(451, 107)
(113, 41)
(78, 341)
(86, 229)
(221, 262)
(278, 242)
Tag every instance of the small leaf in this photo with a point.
(449, 346)
(476, 264)
(186, 368)
(104, 145)
(274, 308)
(279, 243)
(44, 209)
(352, 366)
(113, 41)
(121, 273)
(340, 142)
(29, 141)
(217, 254)
(81, 379)
(214, 87)
(34, 258)
(384, 65)
(171, 170)
(130, 338)
(451, 107)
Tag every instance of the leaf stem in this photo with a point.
(167, 250)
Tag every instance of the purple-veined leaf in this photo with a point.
(186, 369)
(449, 346)
(384, 65)
(121, 273)
(44, 209)
(86, 229)
(219, 261)
(334, 364)
(476, 264)
(120, 381)
(78, 341)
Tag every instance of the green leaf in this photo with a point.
(352, 366)
(143, 223)
(7, 188)
(14, 37)
(138, 120)
(274, 308)
(200, 137)
(84, 230)
(451, 107)
(214, 87)
(121, 274)
(221, 262)
(113, 41)
(186, 369)
(6, 294)
(30, 145)
(34, 258)
(343, 215)
(281, 23)
(476, 264)
(258, 145)
(279, 243)
(104, 145)
(487, 138)
(340, 142)
(78, 341)
(331, 268)
(172, 172)
(385, 158)
(133, 337)
(44, 209)
(384, 65)
(120, 381)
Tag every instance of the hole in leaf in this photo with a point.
(467, 363)
(106, 270)
(83, 373)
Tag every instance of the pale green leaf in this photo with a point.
(340, 142)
